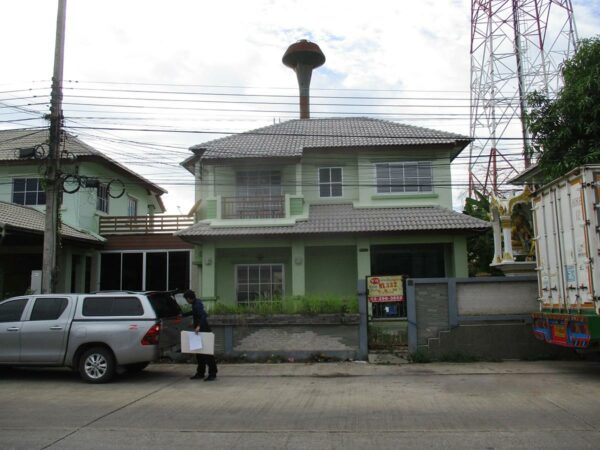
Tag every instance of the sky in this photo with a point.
(180, 72)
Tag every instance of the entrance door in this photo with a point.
(45, 333)
(11, 313)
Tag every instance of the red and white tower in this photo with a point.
(517, 47)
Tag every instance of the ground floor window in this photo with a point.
(153, 270)
(258, 282)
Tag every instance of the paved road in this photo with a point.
(308, 406)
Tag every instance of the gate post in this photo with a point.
(363, 338)
(411, 315)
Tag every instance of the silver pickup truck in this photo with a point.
(96, 334)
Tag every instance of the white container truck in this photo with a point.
(566, 224)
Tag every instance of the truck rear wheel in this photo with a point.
(97, 365)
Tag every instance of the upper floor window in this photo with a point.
(131, 207)
(28, 191)
(263, 183)
(330, 182)
(404, 177)
(102, 198)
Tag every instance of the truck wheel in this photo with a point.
(97, 365)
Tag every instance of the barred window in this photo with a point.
(258, 283)
(131, 206)
(258, 184)
(28, 191)
(330, 182)
(401, 177)
(102, 198)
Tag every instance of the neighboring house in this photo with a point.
(311, 206)
(111, 237)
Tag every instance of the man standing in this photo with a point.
(200, 323)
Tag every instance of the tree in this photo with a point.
(480, 248)
(565, 131)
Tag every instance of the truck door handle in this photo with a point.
(12, 329)
(56, 327)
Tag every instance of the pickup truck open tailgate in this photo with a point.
(170, 332)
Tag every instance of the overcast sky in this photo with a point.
(378, 48)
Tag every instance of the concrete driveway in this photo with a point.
(308, 406)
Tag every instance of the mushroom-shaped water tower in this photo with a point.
(304, 56)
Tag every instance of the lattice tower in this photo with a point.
(517, 47)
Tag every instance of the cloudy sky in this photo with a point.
(184, 71)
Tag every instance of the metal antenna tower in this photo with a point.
(517, 47)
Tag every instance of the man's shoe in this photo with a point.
(210, 378)
(197, 377)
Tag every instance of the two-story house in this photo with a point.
(112, 235)
(311, 206)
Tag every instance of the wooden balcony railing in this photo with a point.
(144, 224)
(253, 207)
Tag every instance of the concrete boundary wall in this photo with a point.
(297, 337)
(486, 317)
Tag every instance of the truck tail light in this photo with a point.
(151, 337)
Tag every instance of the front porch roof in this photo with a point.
(344, 218)
(30, 220)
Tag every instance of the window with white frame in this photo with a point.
(132, 204)
(258, 183)
(258, 283)
(330, 182)
(401, 177)
(102, 198)
(28, 191)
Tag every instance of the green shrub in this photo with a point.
(420, 357)
(306, 305)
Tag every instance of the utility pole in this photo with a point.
(52, 180)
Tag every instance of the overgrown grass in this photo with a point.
(307, 305)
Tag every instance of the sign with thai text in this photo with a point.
(385, 289)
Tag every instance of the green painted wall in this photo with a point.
(331, 270)
(310, 177)
(79, 209)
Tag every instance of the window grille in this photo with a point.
(403, 177)
(259, 283)
(102, 198)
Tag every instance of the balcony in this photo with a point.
(158, 224)
(253, 207)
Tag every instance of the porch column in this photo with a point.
(298, 268)
(64, 277)
(207, 285)
(363, 258)
(461, 261)
(80, 273)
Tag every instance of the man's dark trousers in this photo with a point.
(206, 360)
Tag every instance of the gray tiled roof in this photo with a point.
(289, 139)
(31, 220)
(343, 218)
(13, 140)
